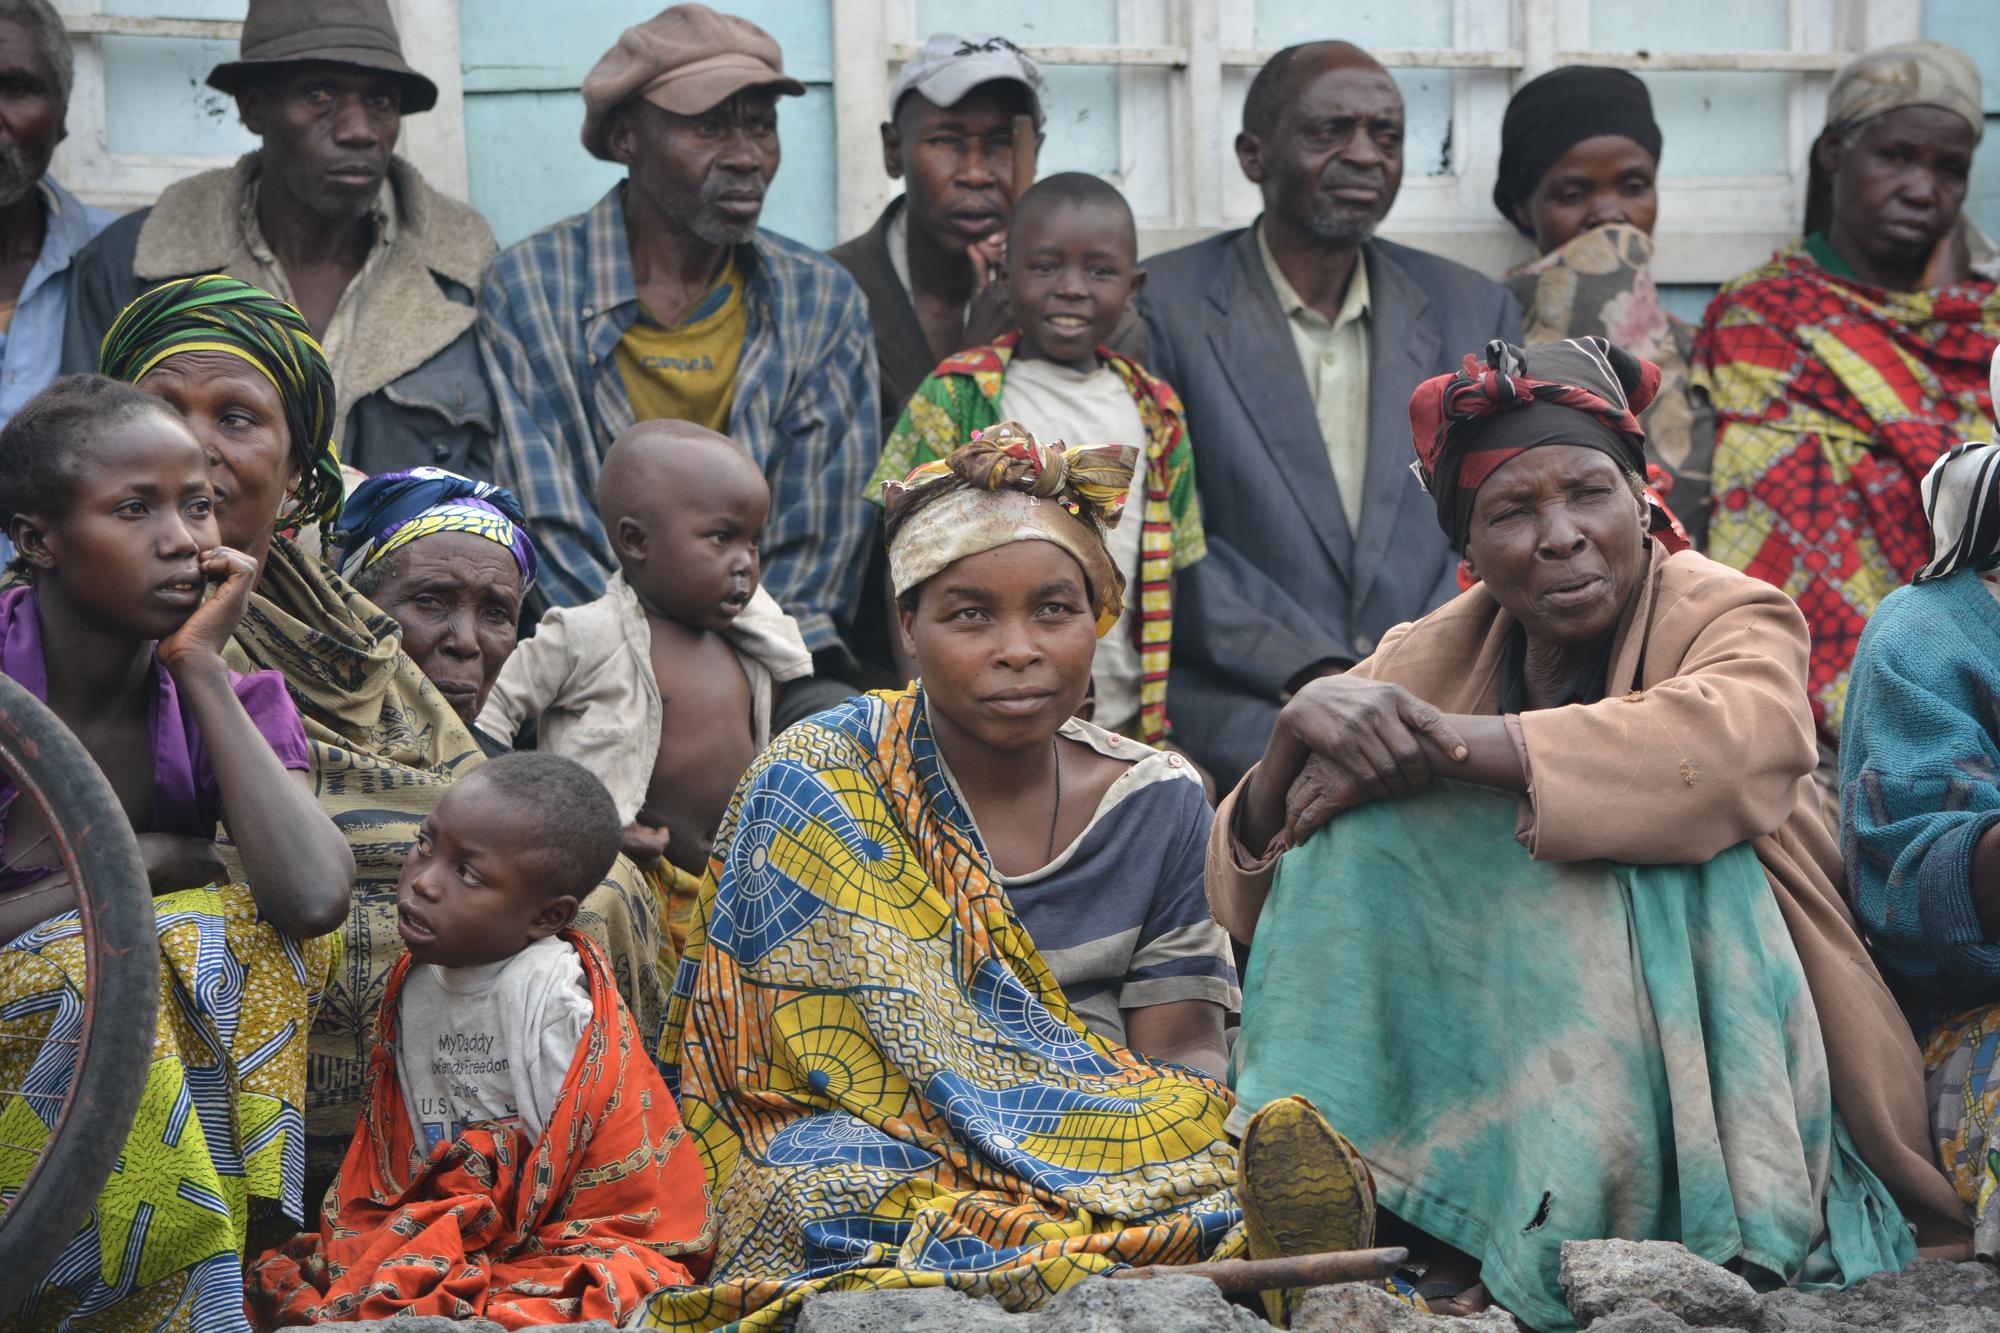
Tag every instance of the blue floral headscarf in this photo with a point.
(387, 513)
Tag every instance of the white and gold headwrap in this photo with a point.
(1013, 488)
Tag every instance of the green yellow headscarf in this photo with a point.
(216, 313)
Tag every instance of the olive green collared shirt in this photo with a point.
(1334, 356)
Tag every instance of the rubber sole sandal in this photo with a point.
(1304, 1190)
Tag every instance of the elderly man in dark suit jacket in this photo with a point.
(1295, 344)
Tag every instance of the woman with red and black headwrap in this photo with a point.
(1600, 981)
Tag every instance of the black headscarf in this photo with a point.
(1556, 112)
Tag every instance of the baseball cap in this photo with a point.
(949, 67)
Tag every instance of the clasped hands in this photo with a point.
(1346, 740)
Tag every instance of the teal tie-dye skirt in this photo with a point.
(1528, 1053)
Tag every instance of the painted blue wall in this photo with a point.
(1969, 25)
(524, 61)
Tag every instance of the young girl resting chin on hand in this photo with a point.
(123, 600)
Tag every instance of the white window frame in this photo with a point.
(86, 164)
(1715, 227)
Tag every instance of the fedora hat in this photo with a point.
(340, 32)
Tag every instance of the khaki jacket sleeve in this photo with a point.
(531, 680)
(1708, 756)
(1237, 882)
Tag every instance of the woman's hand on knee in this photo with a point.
(1377, 735)
(1372, 739)
(1322, 790)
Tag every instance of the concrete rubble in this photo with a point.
(1613, 1286)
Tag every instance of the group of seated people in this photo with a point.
(551, 930)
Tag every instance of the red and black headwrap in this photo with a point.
(1580, 391)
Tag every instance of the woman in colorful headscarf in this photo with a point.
(450, 559)
(1599, 980)
(1841, 370)
(952, 966)
(1919, 751)
(243, 370)
(1579, 161)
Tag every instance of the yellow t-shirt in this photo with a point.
(687, 372)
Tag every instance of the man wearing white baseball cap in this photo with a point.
(933, 265)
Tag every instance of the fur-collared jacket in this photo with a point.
(413, 390)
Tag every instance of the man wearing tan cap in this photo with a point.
(666, 300)
(325, 216)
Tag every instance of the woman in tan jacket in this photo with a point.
(1568, 957)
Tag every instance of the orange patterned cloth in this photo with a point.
(585, 1223)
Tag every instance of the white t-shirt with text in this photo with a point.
(490, 1043)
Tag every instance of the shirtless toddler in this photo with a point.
(664, 686)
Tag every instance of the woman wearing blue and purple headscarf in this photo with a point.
(449, 558)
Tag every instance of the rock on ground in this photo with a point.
(1614, 1286)
(1602, 1275)
(1618, 1286)
(1357, 1307)
(1930, 1296)
(911, 1311)
(1169, 1303)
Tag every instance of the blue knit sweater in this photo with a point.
(1920, 782)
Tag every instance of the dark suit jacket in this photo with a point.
(1286, 584)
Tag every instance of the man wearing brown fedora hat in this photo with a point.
(667, 300)
(324, 215)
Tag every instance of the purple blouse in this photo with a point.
(185, 797)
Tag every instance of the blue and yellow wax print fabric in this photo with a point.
(1528, 1052)
(1962, 1085)
(221, 1121)
(885, 1083)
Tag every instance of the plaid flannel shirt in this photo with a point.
(551, 313)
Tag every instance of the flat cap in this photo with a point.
(685, 59)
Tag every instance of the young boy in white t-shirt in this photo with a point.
(495, 1001)
(517, 1143)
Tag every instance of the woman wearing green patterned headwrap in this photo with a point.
(213, 338)
(242, 369)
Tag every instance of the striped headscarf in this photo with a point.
(1579, 391)
(388, 512)
(1962, 504)
(221, 314)
(1006, 486)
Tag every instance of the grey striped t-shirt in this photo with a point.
(1120, 915)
